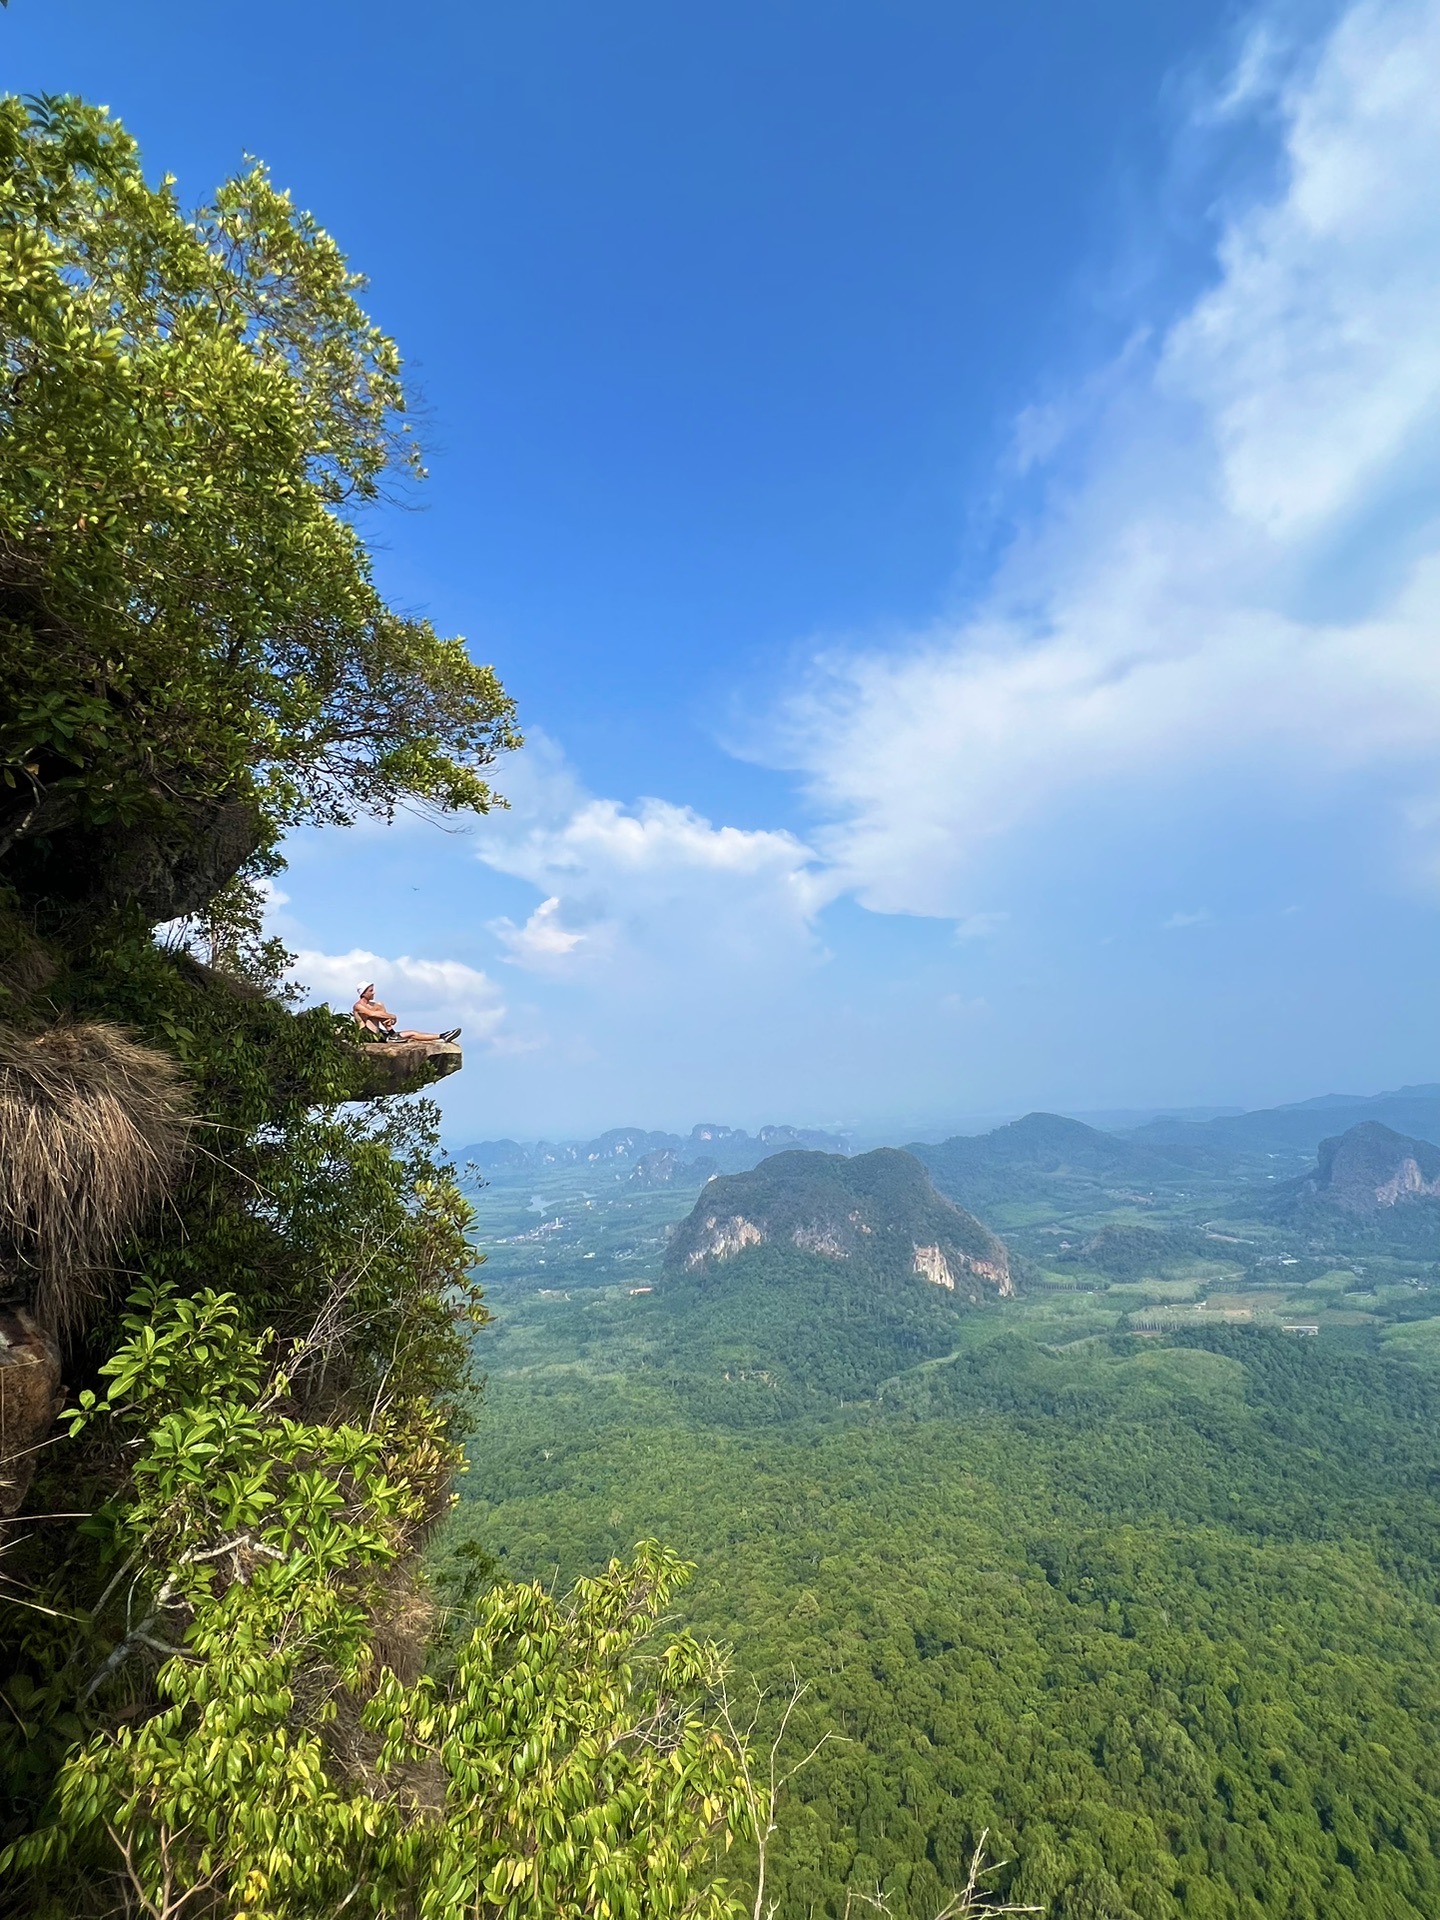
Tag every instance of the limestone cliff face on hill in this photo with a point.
(878, 1208)
(1371, 1168)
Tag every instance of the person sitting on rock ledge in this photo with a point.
(376, 1022)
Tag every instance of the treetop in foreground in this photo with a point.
(195, 409)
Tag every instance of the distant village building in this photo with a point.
(1308, 1327)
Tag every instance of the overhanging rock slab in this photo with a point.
(404, 1066)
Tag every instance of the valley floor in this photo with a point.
(1127, 1574)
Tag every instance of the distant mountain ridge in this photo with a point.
(1045, 1151)
(1300, 1127)
(987, 1169)
(652, 1159)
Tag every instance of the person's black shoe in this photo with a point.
(453, 1034)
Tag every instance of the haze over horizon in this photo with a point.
(957, 500)
(910, 1130)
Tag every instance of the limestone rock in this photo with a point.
(30, 1397)
(403, 1066)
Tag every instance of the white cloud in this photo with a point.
(1256, 77)
(543, 941)
(657, 837)
(427, 995)
(979, 926)
(1243, 588)
(629, 887)
(1177, 920)
(1316, 357)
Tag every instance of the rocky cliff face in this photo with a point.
(30, 1400)
(878, 1207)
(1371, 1168)
(933, 1265)
(724, 1238)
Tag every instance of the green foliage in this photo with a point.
(576, 1783)
(193, 407)
(1130, 1253)
(340, 1231)
(775, 1331)
(1044, 1154)
(286, 1770)
(228, 935)
(214, 1669)
(1164, 1618)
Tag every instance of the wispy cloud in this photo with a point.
(979, 926)
(631, 886)
(1244, 577)
(1177, 920)
(543, 941)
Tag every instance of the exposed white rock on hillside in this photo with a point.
(1406, 1183)
(932, 1264)
(820, 1239)
(725, 1237)
(878, 1210)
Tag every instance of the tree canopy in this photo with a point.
(195, 407)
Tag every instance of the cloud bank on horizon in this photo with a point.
(1224, 593)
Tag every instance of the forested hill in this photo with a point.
(1042, 1150)
(878, 1209)
(1135, 1570)
(1369, 1185)
(1047, 1154)
(810, 1281)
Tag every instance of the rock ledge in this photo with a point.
(404, 1066)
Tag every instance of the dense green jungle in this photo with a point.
(1139, 1569)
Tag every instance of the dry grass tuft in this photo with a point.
(94, 1130)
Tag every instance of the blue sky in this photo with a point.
(956, 494)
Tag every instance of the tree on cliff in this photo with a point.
(224, 1688)
(194, 408)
